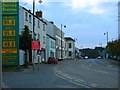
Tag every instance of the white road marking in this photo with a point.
(4, 85)
(72, 79)
(109, 65)
(100, 71)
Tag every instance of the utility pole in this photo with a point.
(61, 41)
(33, 32)
(40, 1)
(106, 36)
(107, 43)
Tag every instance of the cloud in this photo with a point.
(96, 10)
(90, 6)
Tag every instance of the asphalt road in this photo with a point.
(45, 77)
(96, 73)
(86, 73)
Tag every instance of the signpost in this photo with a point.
(10, 33)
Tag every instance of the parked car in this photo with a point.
(99, 57)
(52, 60)
(86, 57)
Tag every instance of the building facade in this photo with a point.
(70, 43)
(26, 18)
(50, 37)
(60, 47)
(50, 33)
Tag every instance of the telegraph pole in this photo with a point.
(33, 31)
(61, 41)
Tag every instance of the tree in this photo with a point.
(114, 48)
(25, 42)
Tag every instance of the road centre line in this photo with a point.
(73, 79)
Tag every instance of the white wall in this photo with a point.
(21, 57)
(23, 22)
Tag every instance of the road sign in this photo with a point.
(35, 45)
(10, 33)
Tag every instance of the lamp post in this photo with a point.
(107, 43)
(33, 31)
(40, 1)
(61, 41)
(107, 36)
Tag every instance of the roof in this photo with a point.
(69, 38)
(51, 36)
(34, 15)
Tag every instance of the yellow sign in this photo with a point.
(9, 44)
(9, 7)
(10, 22)
(9, 33)
(11, 51)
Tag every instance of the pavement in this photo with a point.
(115, 62)
(45, 77)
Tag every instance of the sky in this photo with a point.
(85, 20)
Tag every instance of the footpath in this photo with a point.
(115, 62)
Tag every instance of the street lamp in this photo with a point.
(107, 44)
(107, 36)
(40, 1)
(61, 40)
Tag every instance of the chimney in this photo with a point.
(39, 14)
(51, 22)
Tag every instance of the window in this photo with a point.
(52, 44)
(26, 16)
(29, 18)
(44, 39)
(51, 54)
(65, 45)
(38, 37)
(69, 53)
(69, 45)
(43, 27)
(38, 24)
(57, 41)
(34, 21)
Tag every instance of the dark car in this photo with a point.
(52, 60)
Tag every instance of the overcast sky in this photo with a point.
(86, 20)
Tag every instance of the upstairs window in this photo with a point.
(29, 18)
(69, 45)
(43, 27)
(26, 16)
(38, 24)
(44, 39)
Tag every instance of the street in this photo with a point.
(83, 73)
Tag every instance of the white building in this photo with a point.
(50, 42)
(60, 49)
(70, 43)
(50, 37)
(119, 19)
(26, 18)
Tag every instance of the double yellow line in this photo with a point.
(75, 80)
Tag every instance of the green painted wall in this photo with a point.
(10, 33)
